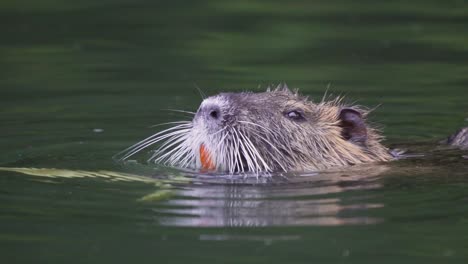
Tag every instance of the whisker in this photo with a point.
(179, 156)
(257, 154)
(202, 94)
(130, 151)
(279, 162)
(247, 156)
(251, 153)
(154, 136)
(221, 130)
(172, 144)
(172, 123)
(254, 124)
(186, 158)
(165, 155)
(169, 142)
(149, 143)
(176, 158)
(220, 147)
(238, 160)
(179, 111)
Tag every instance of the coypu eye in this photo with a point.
(295, 115)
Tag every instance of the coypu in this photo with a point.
(276, 130)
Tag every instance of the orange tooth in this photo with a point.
(205, 158)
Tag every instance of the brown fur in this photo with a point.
(255, 132)
(326, 148)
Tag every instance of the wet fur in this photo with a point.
(255, 136)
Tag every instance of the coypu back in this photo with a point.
(276, 130)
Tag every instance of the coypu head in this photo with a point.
(277, 130)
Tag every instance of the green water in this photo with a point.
(82, 80)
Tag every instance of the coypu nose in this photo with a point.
(211, 112)
(214, 113)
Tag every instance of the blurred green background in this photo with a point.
(117, 62)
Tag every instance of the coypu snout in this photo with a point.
(210, 111)
(211, 114)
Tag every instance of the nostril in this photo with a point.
(210, 111)
(214, 114)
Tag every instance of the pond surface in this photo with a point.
(82, 80)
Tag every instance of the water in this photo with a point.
(81, 81)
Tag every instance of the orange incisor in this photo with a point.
(205, 158)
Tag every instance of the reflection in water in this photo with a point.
(323, 199)
(266, 239)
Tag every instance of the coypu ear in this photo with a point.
(354, 127)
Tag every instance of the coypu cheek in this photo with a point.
(354, 127)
